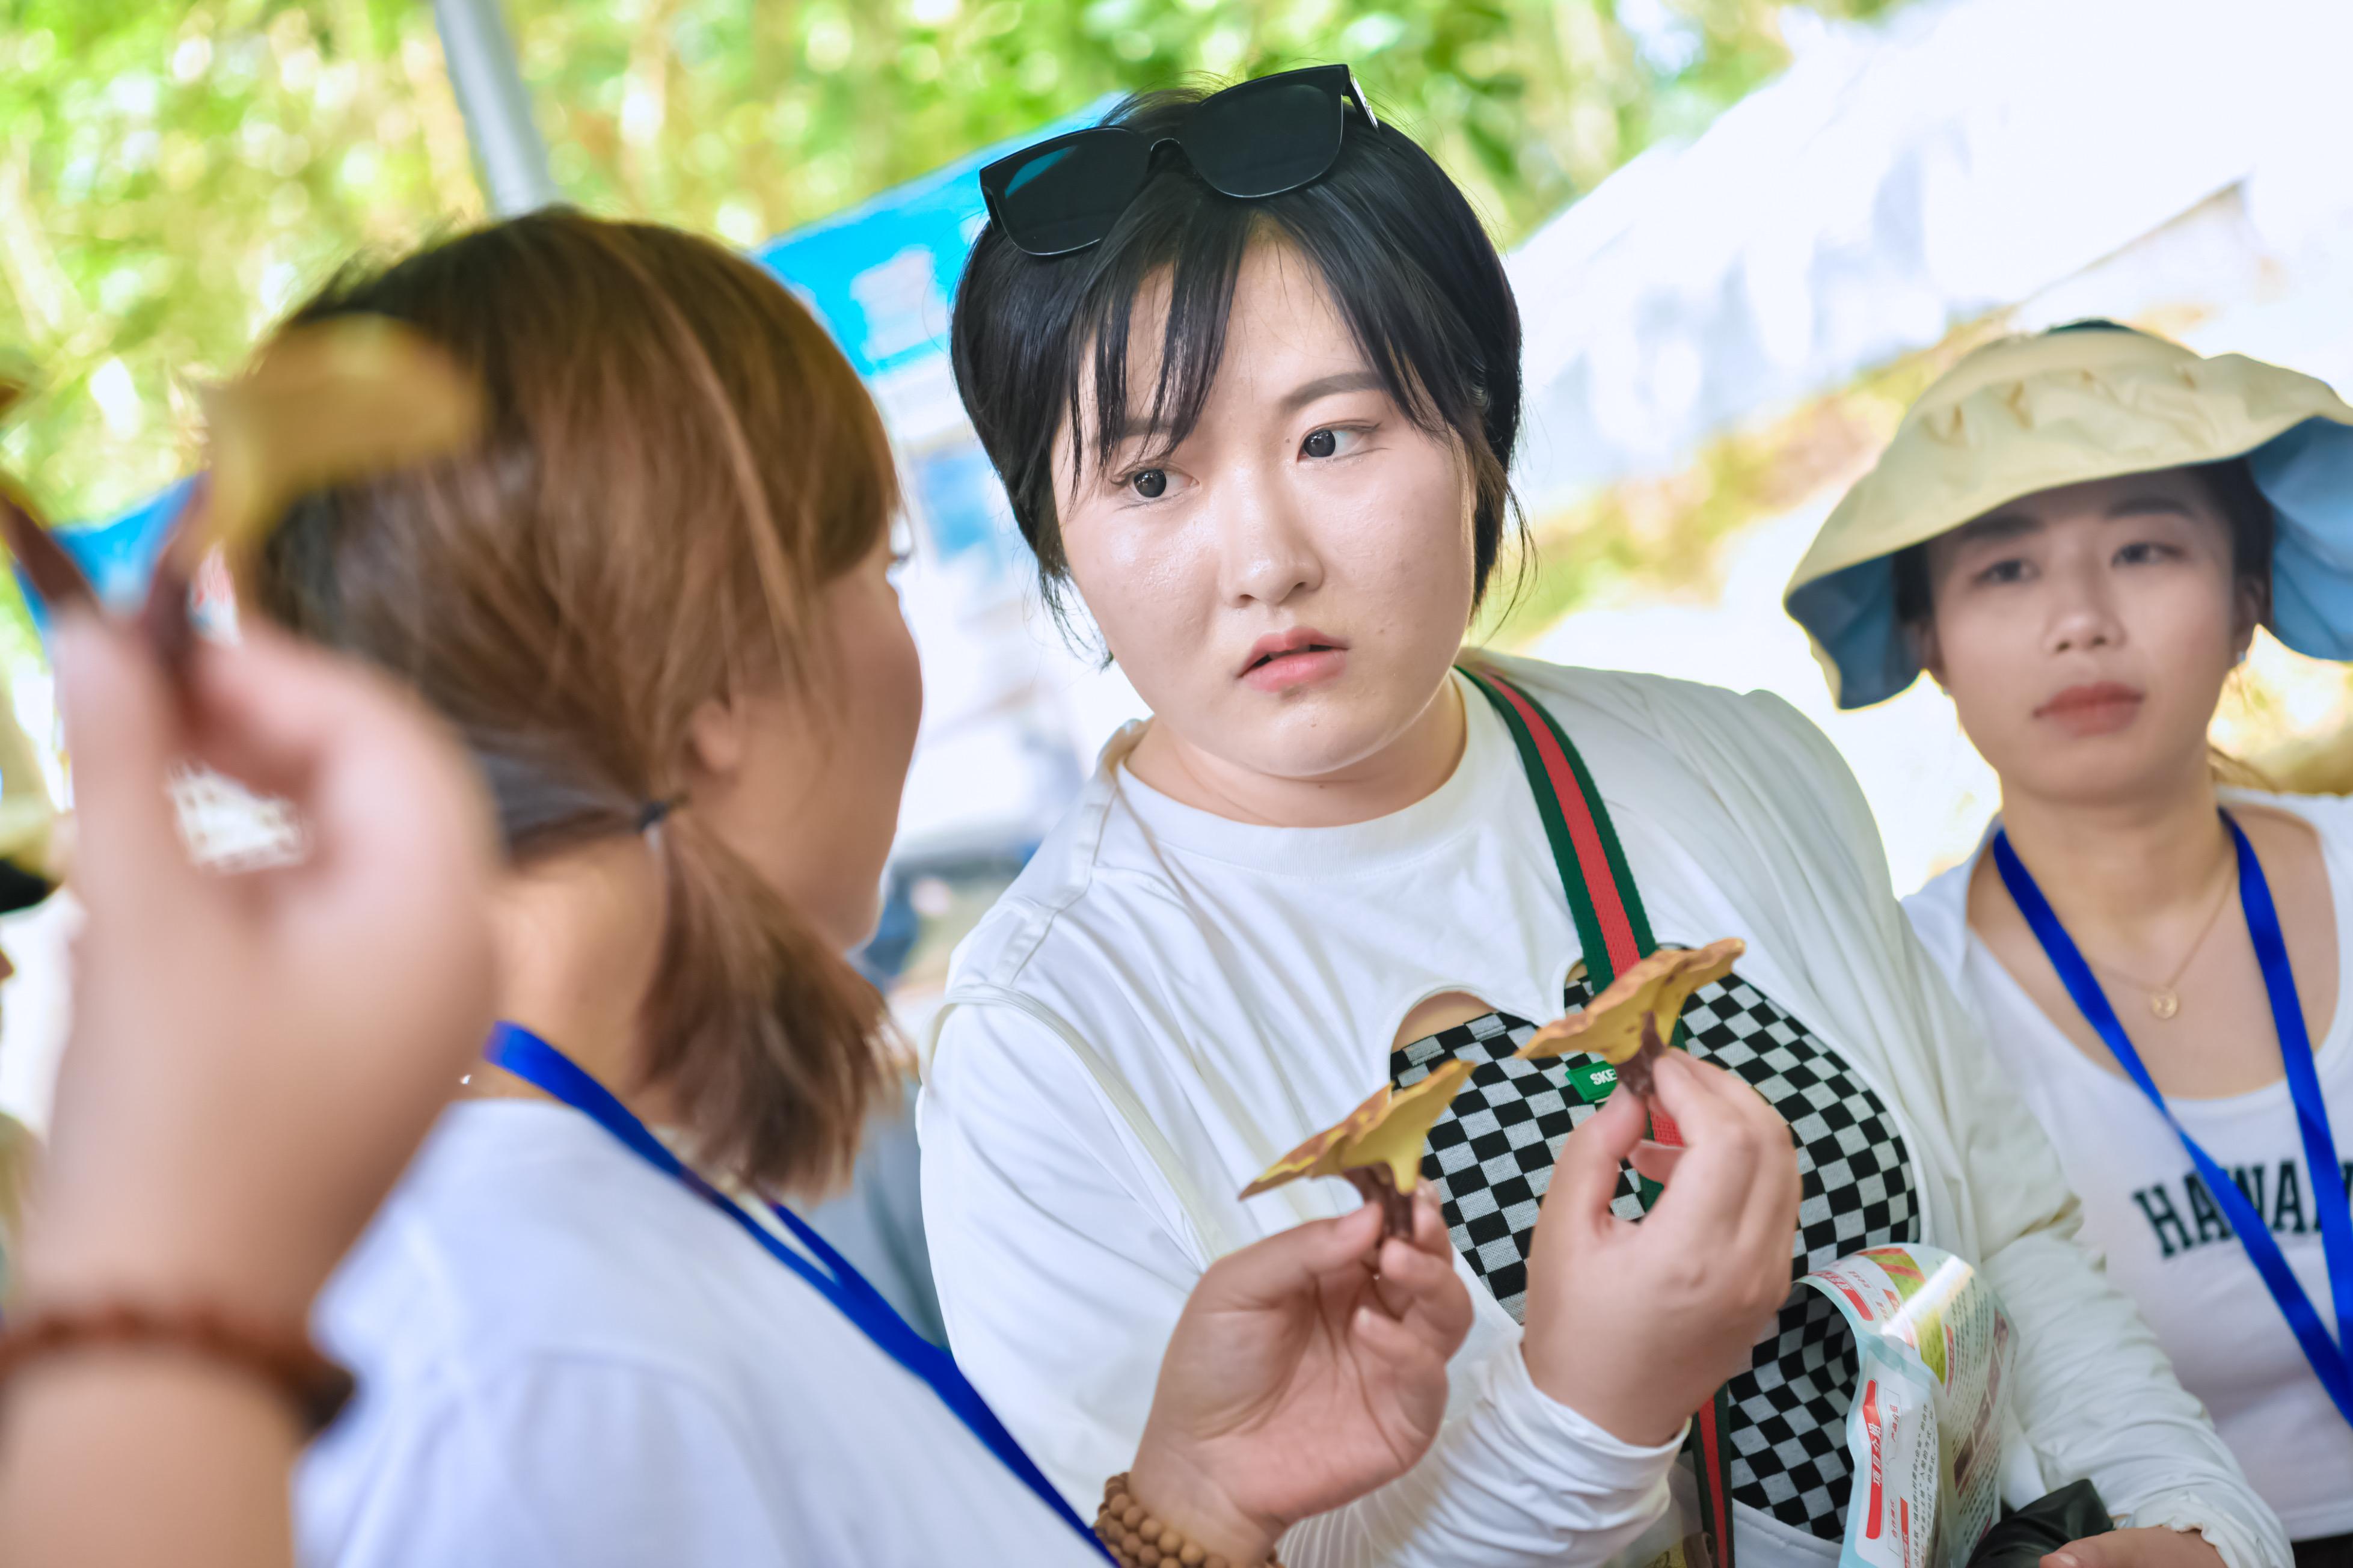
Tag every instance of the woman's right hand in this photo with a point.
(1307, 1369)
(1634, 1326)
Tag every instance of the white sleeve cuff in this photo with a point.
(2239, 1546)
(1552, 1430)
(1517, 1481)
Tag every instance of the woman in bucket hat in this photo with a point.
(2076, 535)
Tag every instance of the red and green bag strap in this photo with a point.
(1610, 925)
(1614, 933)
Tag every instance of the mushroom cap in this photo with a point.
(1389, 1129)
(1611, 1026)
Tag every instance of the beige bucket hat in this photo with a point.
(2088, 401)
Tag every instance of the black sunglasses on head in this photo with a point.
(1254, 139)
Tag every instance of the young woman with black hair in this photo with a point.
(1250, 369)
(2076, 535)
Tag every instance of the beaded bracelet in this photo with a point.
(1137, 1540)
(315, 1386)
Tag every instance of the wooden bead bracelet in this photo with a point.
(1137, 1540)
(316, 1387)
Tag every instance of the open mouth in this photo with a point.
(1265, 660)
(1297, 656)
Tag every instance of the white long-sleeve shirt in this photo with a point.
(567, 1360)
(1166, 1001)
(2148, 1213)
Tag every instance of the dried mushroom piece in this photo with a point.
(325, 405)
(1376, 1147)
(1629, 1024)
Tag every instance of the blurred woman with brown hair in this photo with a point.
(656, 604)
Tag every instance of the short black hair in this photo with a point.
(1410, 270)
(2230, 484)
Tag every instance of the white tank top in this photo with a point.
(2165, 1238)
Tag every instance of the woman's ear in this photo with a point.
(2253, 601)
(717, 739)
(1920, 636)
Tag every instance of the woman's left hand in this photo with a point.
(1307, 1370)
(254, 1056)
(2153, 1547)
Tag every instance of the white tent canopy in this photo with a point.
(2053, 159)
(1897, 179)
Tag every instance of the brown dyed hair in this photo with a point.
(679, 460)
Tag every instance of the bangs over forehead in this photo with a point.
(1045, 345)
(1162, 305)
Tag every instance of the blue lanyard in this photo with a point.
(2329, 1362)
(535, 1061)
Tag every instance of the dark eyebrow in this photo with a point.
(1998, 526)
(1140, 423)
(1307, 391)
(1133, 425)
(2150, 506)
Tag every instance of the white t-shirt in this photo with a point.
(1166, 1001)
(2166, 1240)
(565, 1358)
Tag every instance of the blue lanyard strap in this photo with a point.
(535, 1061)
(2328, 1359)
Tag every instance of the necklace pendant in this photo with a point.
(2165, 1004)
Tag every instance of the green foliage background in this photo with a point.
(173, 176)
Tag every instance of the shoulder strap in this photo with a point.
(1614, 933)
(1610, 925)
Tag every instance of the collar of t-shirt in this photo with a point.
(1503, 934)
(1479, 782)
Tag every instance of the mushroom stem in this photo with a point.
(1379, 1186)
(1634, 1072)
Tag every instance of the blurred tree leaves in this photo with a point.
(173, 177)
(751, 118)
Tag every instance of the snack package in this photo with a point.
(1923, 1434)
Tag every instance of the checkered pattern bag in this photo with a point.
(1491, 1157)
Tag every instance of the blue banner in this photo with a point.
(881, 275)
(117, 556)
(878, 276)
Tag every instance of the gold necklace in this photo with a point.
(2165, 1000)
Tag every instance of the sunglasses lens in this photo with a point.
(1266, 137)
(1067, 198)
